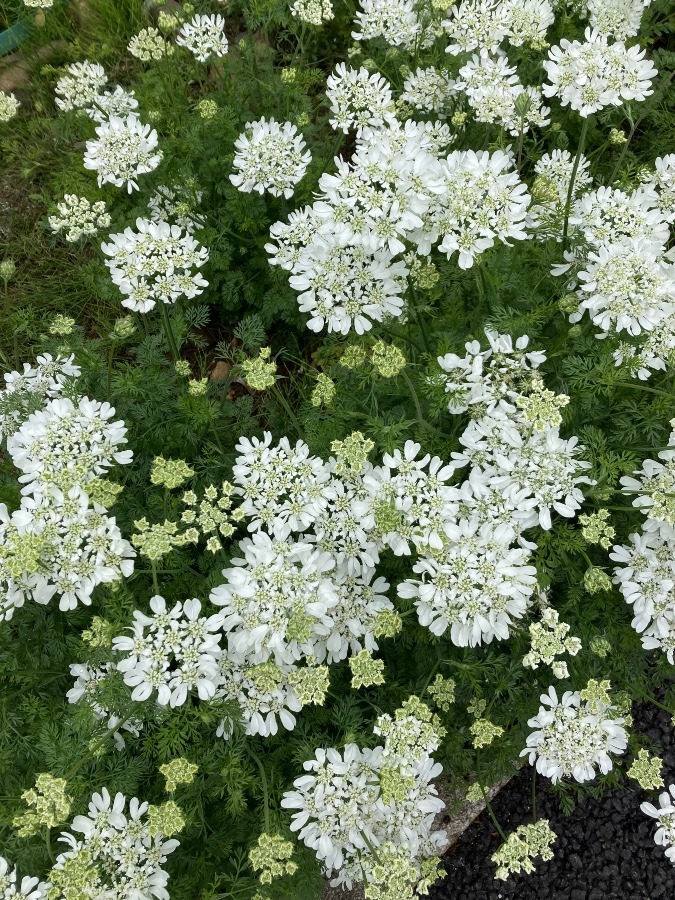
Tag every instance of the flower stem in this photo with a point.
(570, 189)
(263, 780)
(168, 332)
(491, 812)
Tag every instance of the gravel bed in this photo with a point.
(605, 849)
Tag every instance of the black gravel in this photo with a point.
(605, 848)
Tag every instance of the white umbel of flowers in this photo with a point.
(271, 156)
(78, 217)
(573, 737)
(9, 106)
(124, 149)
(664, 814)
(118, 102)
(155, 263)
(173, 651)
(28, 888)
(590, 75)
(476, 586)
(80, 86)
(359, 99)
(204, 37)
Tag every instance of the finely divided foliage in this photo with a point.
(374, 479)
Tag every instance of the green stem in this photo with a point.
(418, 408)
(71, 771)
(263, 780)
(434, 669)
(111, 355)
(570, 189)
(491, 812)
(168, 332)
(656, 703)
(48, 841)
(155, 583)
(294, 419)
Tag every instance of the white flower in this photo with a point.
(665, 816)
(655, 489)
(609, 216)
(314, 12)
(355, 616)
(646, 578)
(283, 488)
(150, 44)
(358, 99)
(155, 263)
(9, 106)
(390, 182)
(204, 37)
(488, 378)
(572, 738)
(263, 692)
(407, 500)
(662, 182)
(492, 88)
(528, 22)
(28, 888)
(619, 19)
(80, 87)
(270, 157)
(121, 857)
(475, 586)
(484, 200)
(26, 391)
(118, 102)
(626, 286)
(125, 149)
(277, 600)
(477, 24)
(342, 530)
(58, 545)
(172, 652)
(592, 75)
(344, 284)
(291, 237)
(66, 445)
(429, 91)
(79, 217)
(396, 21)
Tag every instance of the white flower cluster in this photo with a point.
(401, 23)
(79, 217)
(80, 86)
(573, 736)
(358, 99)
(119, 855)
(619, 19)
(88, 681)
(9, 106)
(664, 814)
(156, 263)
(124, 149)
(358, 808)
(60, 541)
(204, 37)
(429, 90)
(495, 94)
(646, 574)
(624, 273)
(27, 889)
(270, 157)
(173, 651)
(484, 24)
(150, 44)
(314, 12)
(549, 639)
(346, 252)
(590, 75)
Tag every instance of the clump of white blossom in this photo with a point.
(204, 37)
(124, 149)
(368, 814)
(149, 44)
(359, 99)
(550, 638)
(155, 263)
(573, 736)
(80, 86)
(271, 156)
(9, 106)
(313, 12)
(78, 217)
(664, 814)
